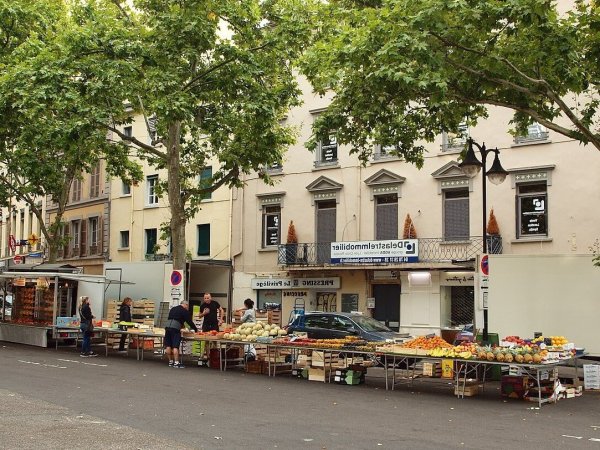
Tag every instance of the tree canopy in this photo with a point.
(403, 71)
(214, 83)
(50, 105)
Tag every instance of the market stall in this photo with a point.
(40, 295)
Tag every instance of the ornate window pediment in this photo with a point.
(385, 182)
(324, 188)
(450, 176)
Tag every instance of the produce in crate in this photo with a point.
(250, 332)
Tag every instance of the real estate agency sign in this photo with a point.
(375, 252)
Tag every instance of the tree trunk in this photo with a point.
(176, 202)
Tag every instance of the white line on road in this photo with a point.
(574, 437)
(84, 363)
(41, 364)
(594, 439)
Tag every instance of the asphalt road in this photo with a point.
(55, 399)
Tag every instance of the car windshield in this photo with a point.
(370, 324)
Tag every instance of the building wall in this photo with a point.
(131, 212)
(570, 167)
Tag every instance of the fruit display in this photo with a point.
(427, 343)
(252, 332)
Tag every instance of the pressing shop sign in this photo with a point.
(296, 283)
(374, 252)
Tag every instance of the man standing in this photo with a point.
(178, 316)
(212, 312)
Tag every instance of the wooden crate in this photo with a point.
(322, 359)
(318, 374)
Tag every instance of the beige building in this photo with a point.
(86, 221)
(138, 213)
(546, 205)
(19, 235)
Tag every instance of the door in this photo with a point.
(387, 304)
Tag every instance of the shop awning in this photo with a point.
(99, 279)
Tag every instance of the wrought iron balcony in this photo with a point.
(158, 257)
(430, 250)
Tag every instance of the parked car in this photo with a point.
(329, 325)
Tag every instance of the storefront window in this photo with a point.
(532, 204)
(268, 296)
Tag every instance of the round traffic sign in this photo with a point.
(485, 269)
(18, 259)
(176, 278)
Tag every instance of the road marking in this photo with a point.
(574, 437)
(83, 362)
(41, 364)
(594, 439)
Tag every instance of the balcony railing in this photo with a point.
(430, 250)
(158, 257)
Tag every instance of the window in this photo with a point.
(95, 181)
(316, 321)
(265, 296)
(75, 232)
(125, 188)
(386, 217)
(455, 141)
(532, 210)
(206, 182)
(326, 229)
(124, 239)
(535, 132)
(385, 152)
(93, 232)
(340, 323)
(151, 184)
(76, 190)
(151, 240)
(204, 240)
(327, 151)
(456, 214)
(271, 225)
(128, 131)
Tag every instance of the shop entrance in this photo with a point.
(387, 304)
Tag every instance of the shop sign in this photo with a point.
(375, 252)
(457, 279)
(296, 283)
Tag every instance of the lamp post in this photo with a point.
(471, 166)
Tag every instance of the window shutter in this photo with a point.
(456, 219)
(326, 218)
(387, 221)
(83, 238)
(66, 244)
(100, 237)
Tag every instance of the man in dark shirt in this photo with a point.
(212, 312)
(178, 316)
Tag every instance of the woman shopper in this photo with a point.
(87, 327)
(124, 316)
(249, 314)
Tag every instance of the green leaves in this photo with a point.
(404, 71)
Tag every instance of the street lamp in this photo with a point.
(471, 166)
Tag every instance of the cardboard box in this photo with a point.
(469, 390)
(318, 374)
(514, 386)
(591, 376)
(447, 368)
(432, 369)
(322, 359)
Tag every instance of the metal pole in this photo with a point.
(483, 215)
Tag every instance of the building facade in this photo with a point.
(543, 207)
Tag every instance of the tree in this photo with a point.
(492, 225)
(402, 71)
(50, 104)
(409, 231)
(214, 83)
